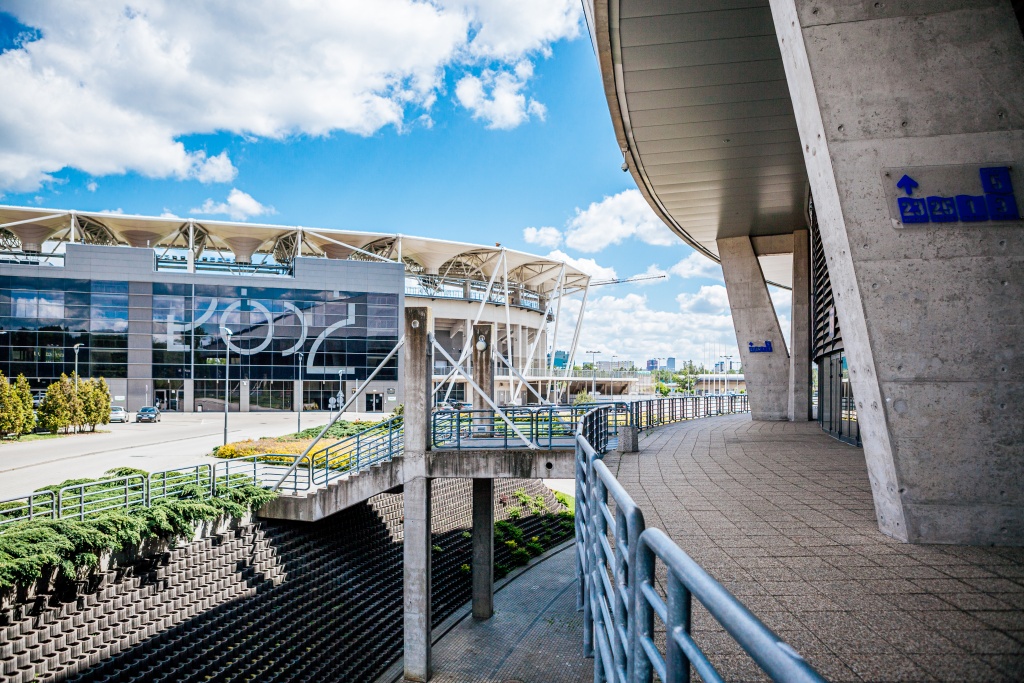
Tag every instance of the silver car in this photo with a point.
(118, 414)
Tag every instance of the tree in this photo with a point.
(582, 398)
(68, 386)
(10, 409)
(662, 389)
(28, 414)
(95, 397)
(55, 408)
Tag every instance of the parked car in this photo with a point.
(118, 414)
(147, 414)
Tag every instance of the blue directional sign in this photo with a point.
(997, 203)
(757, 347)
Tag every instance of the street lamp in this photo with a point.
(728, 367)
(593, 369)
(302, 391)
(76, 347)
(227, 368)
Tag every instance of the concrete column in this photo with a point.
(296, 395)
(757, 327)
(930, 312)
(190, 395)
(800, 330)
(243, 396)
(416, 527)
(483, 548)
(483, 375)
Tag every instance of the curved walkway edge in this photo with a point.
(536, 634)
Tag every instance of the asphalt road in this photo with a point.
(179, 440)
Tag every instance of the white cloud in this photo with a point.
(92, 186)
(630, 327)
(615, 219)
(109, 89)
(586, 265)
(655, 274)
(710, 299)
(218, 169)
(497, 98)
(239, 206)
(697, 265)
(545, 237)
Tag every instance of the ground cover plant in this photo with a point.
(31, 548)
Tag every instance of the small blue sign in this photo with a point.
(997, 204)
(767, 348)
(971, 209)
(913, 210)
(942, 210)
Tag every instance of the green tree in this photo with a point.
(662, 389)
(55, 408)
(70, 386)
(95, 397)
(28, 414)
(10, 409)
(581, 398)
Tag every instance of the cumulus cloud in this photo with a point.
(615, 219)
(586, 265)
(92, 186)
(108, 88)
(697, 265)
(630, 327)
(496, 97)
(545, 237)
(710, 299)
(239, 206)
(654, 275)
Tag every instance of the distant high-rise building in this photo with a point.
(561, 358)
(670, 363)
(652, 364)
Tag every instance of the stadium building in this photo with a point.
(161, 306)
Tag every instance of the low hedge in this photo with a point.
(30, 548)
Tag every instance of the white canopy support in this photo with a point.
(576, 333)
(484, 396)
(37, 219)
(467, 347)
(523, 380)
(349, 246)
(536, 341)
(355, 395)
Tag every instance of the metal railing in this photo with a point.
(545, 427)
(616, 562)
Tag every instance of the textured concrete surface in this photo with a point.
(930, 313)
(535, 635)
(782, 515)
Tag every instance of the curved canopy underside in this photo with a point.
(702, 112)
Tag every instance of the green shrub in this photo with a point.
(465, 568)
(507, 530)
(437, 548)
(534, 548)
(513, 512)
(520, 556)
(566, 500)
(500, 570)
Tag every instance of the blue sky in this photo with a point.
(453, 120)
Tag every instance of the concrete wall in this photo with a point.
(931, 313)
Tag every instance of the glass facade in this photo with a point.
(44, 318)
(178, 332)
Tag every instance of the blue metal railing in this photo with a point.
(616, 561)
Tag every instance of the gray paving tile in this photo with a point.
(783, 515)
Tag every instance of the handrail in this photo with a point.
(615, 565)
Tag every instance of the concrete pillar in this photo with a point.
(416, 527)
(757, 329)
(483, 375)
(483, 548)
(930, 312)
(296, 395)
(190, 395)
(243, 396)
(800, 330)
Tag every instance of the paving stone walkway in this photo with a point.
(535, 635)
(782, 515)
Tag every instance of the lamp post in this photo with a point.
(341, 391)
(593, 370)
(227, 373)
(728, 367)
(76, 347)
(302, 391)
